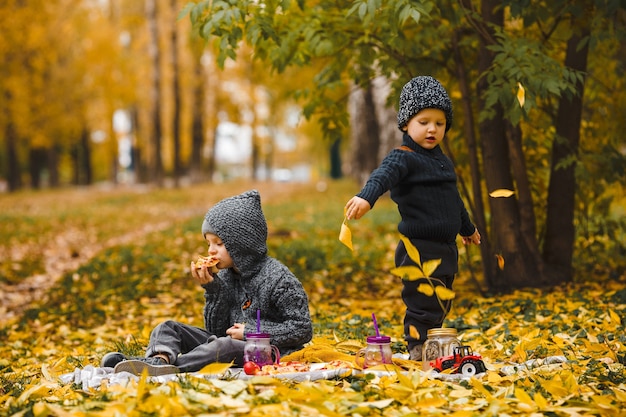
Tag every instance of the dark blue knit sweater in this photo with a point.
(423, 185)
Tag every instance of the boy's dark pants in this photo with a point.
(425, 312)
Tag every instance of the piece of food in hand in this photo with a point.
(210, 261)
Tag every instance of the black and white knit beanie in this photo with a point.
(423, 92)
(240, 223)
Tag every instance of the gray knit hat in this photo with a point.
(423, 92)
(240, 223)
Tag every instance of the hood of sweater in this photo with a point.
(240, 223)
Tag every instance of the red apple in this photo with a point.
(251, 368)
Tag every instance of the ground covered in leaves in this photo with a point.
(83, 272)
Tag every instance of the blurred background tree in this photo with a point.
(120, 91)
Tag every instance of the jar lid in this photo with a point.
(378, 339)
(257, 335)
(440, 331)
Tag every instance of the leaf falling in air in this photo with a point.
(413, 332)
(501, 192)
(500, 259)
(521, 94)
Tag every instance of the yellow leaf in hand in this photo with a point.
(345, 235)
(425, 289)
(501, 192)
(444, 293)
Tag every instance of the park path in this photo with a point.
(61, 255)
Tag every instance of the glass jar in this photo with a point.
(377, 352)
(440, 342)
(258, 350)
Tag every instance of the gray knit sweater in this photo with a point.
(258, 281)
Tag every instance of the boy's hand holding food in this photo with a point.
(204, 268)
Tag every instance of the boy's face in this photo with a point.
(427, 128)
(218, 250)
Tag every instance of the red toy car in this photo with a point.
(463, 361)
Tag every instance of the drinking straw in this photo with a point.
(375, 325)
(258, 321)
(382, 354)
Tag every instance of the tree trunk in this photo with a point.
(37, 160)
(335, 160)
(157, 164)
(477, 208)
(386, 116)
(138, 165)
(197, 126)
(81, 157)
(14, 178)
(528, 226)
(364, 133)
(506, 238)
(53, 166)
(560, 231)
(177, 99)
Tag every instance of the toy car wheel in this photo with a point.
(468, 369)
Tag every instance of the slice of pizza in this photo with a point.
(210, 261)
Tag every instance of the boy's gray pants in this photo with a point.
(191, 348)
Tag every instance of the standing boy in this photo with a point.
(423, 185)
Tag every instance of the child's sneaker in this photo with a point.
(111, 359)
(154, 365)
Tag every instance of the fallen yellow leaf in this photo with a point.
(215, 368)
(614, 317)
(540, 401)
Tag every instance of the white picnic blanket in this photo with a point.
(91, 376)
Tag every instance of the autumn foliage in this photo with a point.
(89, 271)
